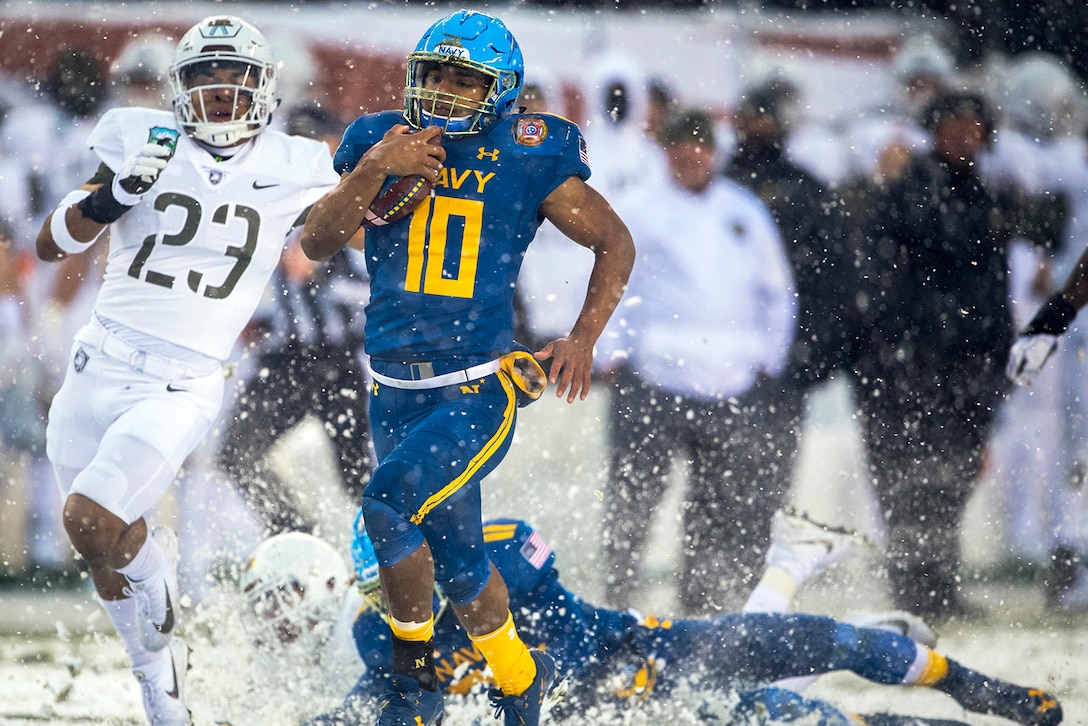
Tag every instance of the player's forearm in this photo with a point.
(336, 217)
(614, 260)
(77, 229)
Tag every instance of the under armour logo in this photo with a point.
(215, 176)
(79, 362)
(483, 153)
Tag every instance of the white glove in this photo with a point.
(1028, 356)
(139, 172)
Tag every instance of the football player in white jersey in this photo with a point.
(198, 203)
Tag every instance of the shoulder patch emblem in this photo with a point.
(530, 131)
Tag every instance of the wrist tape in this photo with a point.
(1053, 318)
(102, 206)
(58, 225)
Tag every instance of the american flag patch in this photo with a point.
(583, 152)
(536, 550)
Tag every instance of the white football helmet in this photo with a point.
(224, 40)
(139, 71)
(292, 585)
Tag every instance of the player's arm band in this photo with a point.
(102, 207)
(58, 225)
(1053, 317)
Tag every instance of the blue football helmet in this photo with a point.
(471, 40)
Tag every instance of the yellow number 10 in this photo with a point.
(427, 244)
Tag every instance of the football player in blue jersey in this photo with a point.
(615, 662)
(447, 373)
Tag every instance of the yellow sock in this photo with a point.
(929, 667)
(508, 657)
(418, 632)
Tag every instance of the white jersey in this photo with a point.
(189, 263)
(711, 302)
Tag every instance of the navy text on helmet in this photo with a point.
(472, 40)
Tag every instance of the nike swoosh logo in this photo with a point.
(264, 186)
(168, 621)
(174, 693)
(171, 388)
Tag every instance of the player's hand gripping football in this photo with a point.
(141, 170)
(1028, 356)
(403, 152)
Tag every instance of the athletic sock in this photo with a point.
(773, 593)
(509, 658)
(929, 668)
(146, 562)
(125, 619)
(413, 651)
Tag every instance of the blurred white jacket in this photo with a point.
(711, 303)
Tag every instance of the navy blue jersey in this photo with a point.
(442, 279)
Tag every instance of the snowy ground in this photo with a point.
(59, 664)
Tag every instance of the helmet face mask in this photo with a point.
(292, 587)
(476, 45)
(224, 81)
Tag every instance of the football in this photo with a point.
(396, 200)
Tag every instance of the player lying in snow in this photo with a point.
(617, 660)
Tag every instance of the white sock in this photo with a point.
(146, 562)
(123, 615)
(773, 593)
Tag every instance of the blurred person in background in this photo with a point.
(617, 94)
(307, 341)
(198, 204)
(138, 73)
(704, 339)
(1045, 427)
(881, 142)
(662, 104)
(812, 223)
(45, 155)
(930, 374)
(820, 235)
(1039, 444)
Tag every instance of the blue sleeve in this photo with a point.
(364, 132)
